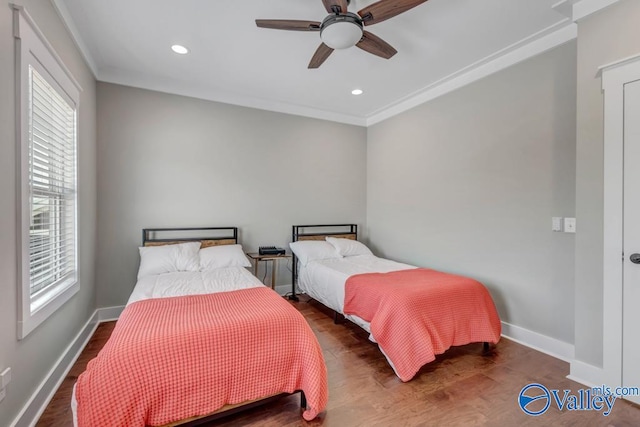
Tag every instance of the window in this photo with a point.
(47, 194)
(52, 188)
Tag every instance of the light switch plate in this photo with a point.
(569, 225)
(556, 223)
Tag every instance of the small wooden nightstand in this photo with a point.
(257, 258)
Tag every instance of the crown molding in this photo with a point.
(178, 87)
(64, 14)
(529, 47)
(115, 76)
(580, 9)
(526, 48)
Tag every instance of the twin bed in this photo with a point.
(201, 336)
(412, 313)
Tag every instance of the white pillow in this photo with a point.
(223, 256)
(348, 247)
(312, 250)
(168, 258)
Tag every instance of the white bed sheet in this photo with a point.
(185, 283)
(193, 283)
(324, 280)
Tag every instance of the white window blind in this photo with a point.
(47, 197)
(52, 187)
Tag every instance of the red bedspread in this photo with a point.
(418, 313)
(169, 359)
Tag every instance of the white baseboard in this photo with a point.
(283, 289)
(109, 313)
(551, 346)
(35, 406)
(589, 375)
(39, 400)
(31, 412)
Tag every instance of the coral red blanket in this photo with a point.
(169, 359)
(418, 313)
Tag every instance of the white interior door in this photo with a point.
(631, 244)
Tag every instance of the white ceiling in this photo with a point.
(231, 60)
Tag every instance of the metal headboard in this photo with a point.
(318, 232)
(208, 236)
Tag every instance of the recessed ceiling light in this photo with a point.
(179, 49)
(356, 92)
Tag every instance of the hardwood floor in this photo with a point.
(463, 387)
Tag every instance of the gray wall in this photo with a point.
(32, 358)
(173, 161)
(468, 183)
(465, 183)
(607, 36)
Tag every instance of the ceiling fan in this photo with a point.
(342, 29)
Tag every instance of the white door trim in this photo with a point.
(614, 77)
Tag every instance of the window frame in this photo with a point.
(33, 49)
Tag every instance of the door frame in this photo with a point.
(614, 77)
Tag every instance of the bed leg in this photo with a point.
(485, 347)
(337, 318)
(294, 275)
(293, 296)
(303, 400)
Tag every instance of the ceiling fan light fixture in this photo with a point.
(341, 31)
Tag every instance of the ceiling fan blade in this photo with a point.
(320, 56)
(375, 45)
(385, 9)
(335, 6)
(288, 24)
